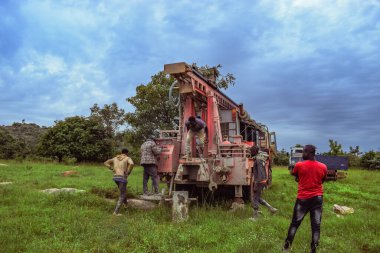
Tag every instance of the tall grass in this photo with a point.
(31, 221)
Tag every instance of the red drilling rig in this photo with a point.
(226, 161)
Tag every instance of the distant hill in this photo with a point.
(28, 133)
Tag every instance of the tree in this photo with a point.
(8, 145)
(335, 148)
(282, 158)
(153, 110)
(110, 116)
(355, 151)
(214, 75)
(76, 137)
(370, 160)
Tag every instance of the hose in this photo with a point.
(171, 93)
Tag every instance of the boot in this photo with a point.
(286, 247)
(271, 208)
(255, 216)
(313, 248)
(117, 208)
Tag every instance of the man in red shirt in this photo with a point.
(310, 174)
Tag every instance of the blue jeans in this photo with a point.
(123, 195)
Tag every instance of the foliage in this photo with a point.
(213, 74)
(24, 138)
(153, 110)
(282, 158)
(9, 147)
(34, 222)
(371, 160)
(335, 148)
(76, 137)
(111, 116)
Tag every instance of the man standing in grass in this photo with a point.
(310, 175)
(149, 152)
(260, 181)
(122, 166)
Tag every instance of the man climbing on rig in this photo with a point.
(195, 126)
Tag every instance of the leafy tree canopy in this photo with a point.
(335, 148)
(214, 74)
(111, 116)
(9, 147)
(153, 110)
(77, 137)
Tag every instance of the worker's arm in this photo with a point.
(109, 164)
(295, 172)
(130, 165)
(156, 149)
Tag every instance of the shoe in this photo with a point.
(116, 214)
(286, 247)
(273, 210)
(313, 248)
(255, 216)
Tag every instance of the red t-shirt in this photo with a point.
(310, 175)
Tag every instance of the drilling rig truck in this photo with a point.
(225, 162)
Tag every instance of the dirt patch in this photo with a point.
(70, 173)
(109, 193)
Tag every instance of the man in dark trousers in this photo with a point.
(310, 175)
(260, 179)
(149, 152)
(122, 166)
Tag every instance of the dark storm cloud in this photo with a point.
(307, 69)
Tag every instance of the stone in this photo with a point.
(180, 208)
(5, 183)
(342, 210)
(141, 204)
(62, 190)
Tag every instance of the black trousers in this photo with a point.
(150, 170)
(301, 208)
(257, 200)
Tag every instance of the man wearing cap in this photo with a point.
(310, 174)
(195, 127)
(122, 166)
(149, 153)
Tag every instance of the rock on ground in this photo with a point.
(141, 204)
(61, 190)
(5, 183)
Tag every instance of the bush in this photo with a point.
(69, 160)
(354, 161)
(282, 158)
(371, 160)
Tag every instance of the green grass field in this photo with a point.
(31, 221)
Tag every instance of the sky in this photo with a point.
(309, 70)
